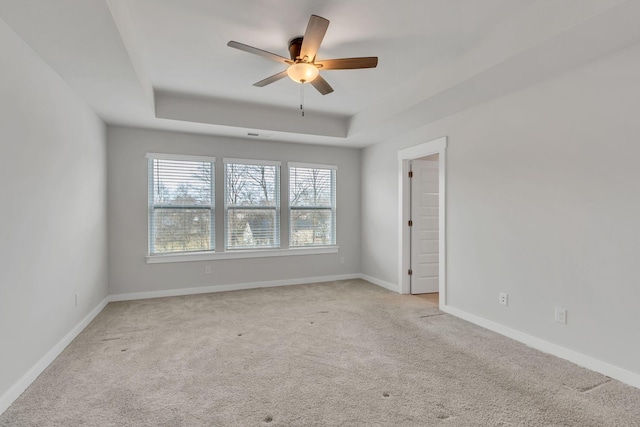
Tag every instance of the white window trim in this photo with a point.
(311, 166)
(239, 254)
(166, 156)
(252, 162)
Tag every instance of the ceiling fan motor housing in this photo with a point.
(295, 45)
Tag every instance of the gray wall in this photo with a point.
(53, 227)
(543, 202)
(127, 177)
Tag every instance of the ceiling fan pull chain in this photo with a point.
(302, 98)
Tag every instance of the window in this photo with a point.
(312, 204)
(181, 203)
(252, 204)
(182, 199)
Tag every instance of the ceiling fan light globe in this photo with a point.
(302, 72)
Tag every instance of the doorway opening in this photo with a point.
(422, 213)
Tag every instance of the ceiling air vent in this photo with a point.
(260, 135)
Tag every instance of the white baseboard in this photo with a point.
(580, 359)
(387, 285)
(232, 287)
(25, 381)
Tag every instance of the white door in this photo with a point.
(424, 232)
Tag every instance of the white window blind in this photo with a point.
(312, 205)
(181, 204)
(252, 204)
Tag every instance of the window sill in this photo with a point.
(240, 254)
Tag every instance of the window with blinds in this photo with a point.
(181, 204)
(252, 204)
(312, 205)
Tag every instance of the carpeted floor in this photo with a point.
(334, 354)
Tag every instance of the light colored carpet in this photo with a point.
(344, 353)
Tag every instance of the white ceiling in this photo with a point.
(184, 44)
(165, 64)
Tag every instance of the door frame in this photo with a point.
(436, 146)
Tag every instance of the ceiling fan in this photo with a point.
(303, 67)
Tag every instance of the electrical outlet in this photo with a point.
(503, 298)
(561, 315)
(207, 269)
(341, 260)
(77, 299)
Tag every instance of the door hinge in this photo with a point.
(410, 223)
(410, 272)
(410, 174)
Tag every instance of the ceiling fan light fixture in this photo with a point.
(302, 72)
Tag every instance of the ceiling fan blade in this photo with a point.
(256, 51)
(348, 63)
(321, 85)
(316, 29)
(271, 79)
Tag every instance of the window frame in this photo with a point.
(219, 228)
(151, 206)
(332, 208)
(276, 208)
